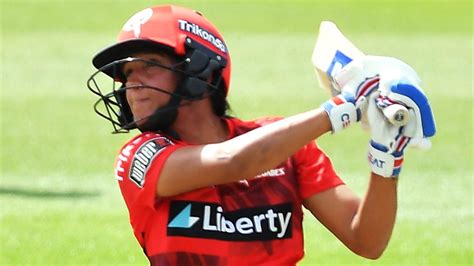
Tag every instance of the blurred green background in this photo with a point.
(60, 203)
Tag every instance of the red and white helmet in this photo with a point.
(170, 27)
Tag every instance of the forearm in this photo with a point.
(375, 217)
(265, 147)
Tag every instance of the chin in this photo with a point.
(140, 118)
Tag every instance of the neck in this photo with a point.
(197, 124)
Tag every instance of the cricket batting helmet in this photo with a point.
(204, 62)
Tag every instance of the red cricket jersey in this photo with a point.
(251, 222)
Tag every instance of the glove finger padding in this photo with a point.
(364, 75)
(421, 123)
(384, 133)
(385, 154)
(389, 141)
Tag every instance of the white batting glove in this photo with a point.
(388, 142)
(385, 81)
(354, 84)
(362, 76)
(343, 110)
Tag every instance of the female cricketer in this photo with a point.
(205, 188)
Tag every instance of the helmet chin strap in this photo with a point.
(165, 116)
(162, 118)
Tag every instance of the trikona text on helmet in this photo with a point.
(202, 33)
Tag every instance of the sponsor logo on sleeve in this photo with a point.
(209, 220)
(272, 173)
(143, 158)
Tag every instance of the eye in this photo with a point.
(152, 63)
(153, 66)
(127, 72)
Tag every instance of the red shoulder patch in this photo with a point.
(137, 155)
(143, 158)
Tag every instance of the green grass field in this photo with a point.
(59, 201)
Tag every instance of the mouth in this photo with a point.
(139, 101)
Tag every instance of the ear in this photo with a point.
(200, 67)
(197, 62)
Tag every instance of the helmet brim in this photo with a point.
(126, 49)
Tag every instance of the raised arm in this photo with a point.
(242, 157)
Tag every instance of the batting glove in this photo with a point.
(386, 148)
(343, 110)
(355, 82)
(362, 76)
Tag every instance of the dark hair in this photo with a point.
(219, 102)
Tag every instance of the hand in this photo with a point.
(360, 78)
(363, 76)
(343, 110)
(385, 81)
(388, 141)
(355, 82)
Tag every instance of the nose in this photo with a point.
(133, 79)
(133, 73)
(133, 89)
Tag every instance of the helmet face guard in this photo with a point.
(113, 106)
(195, 69)
(204, 65)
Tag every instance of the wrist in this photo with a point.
(326, 121)
(342, 111)
(382, 162)
(392, 179)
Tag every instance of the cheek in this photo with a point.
(158, 98)
(142, 109)
(145, 101)
(166, 80)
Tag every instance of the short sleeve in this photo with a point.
(315, 172)
(138, 167)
